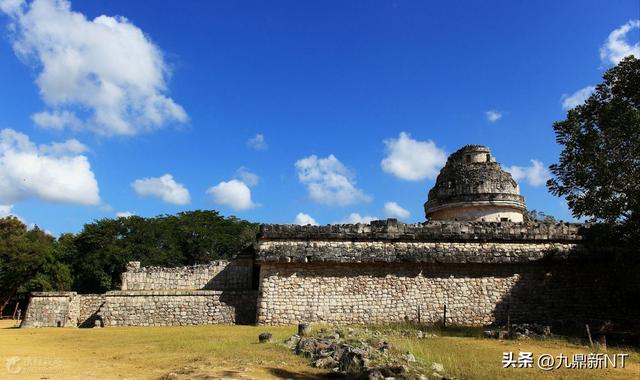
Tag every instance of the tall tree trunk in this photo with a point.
(6, 300)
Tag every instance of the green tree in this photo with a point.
(103, 248)
(27, 261)
(599, 168)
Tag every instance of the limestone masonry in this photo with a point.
(476, 257)
(473, 186)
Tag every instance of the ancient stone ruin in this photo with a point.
(473, 186)
(475, 262)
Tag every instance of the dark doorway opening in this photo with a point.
(255, 277)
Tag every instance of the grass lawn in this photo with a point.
(477, 358)
(185, 352)
(213, 352)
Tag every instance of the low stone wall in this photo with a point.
(179, 307)
(51, 309)
(62, 309)
(218, 275)
(88, 307)
(475, 294)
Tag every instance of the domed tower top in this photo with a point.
(473, 186)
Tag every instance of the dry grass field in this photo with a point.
(217, 352)
(475, 358)
(187, 352)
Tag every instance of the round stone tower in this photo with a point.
(473, 186)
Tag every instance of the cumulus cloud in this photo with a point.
(104, 75)
(249, 178)
(257, 142)
(5, 210)
(394, 210)
(71, 146)
(57, 120)
(304, 219)
(617, 45)
(328, 181)
(55, 172)
(124, 214)
(233, 194)
(493, 116)
(355, 218)
(535, 175)
(577, 98)
(165, 188)
(412, 160)
(11, 7)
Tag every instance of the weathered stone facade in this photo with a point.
(474, 294)
(472, 186)
(62, 309)
(389, 271)
(178, 308)
(220, 292)
(220, 275)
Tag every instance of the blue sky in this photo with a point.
(266, 110)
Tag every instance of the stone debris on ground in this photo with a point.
(264, 337)
(519, 331)
(409, 357)
(358, 354)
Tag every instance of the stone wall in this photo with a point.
(178, 307)
(62, 309)
(51, 309)
(449, 231)
(88, 307)
(475, 294)
(218, 275)
(426, 252)
(388, 271)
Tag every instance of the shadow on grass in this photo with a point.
(286, 374)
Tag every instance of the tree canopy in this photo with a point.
(92, 260)
(599, 168)
(29, 260)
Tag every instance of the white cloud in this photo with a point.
(57, 120)
(104, 75)
(124, 214)
(5, 210)
(304, 219)
(71, 146)
(105, 207)
(412, 160)
(535, 175)
(165, 188)
(55, 172)
(617, 46)
(11, 7)
(493, 116)
(329, 181)
(577, 98)
(355, 218)
(394, 210)
(233, 194)
(257, 142)
(251, 179)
